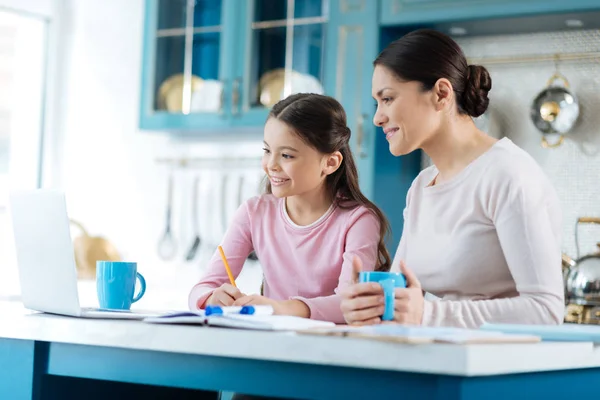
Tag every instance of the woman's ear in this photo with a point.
(443, 94)
(332, 162)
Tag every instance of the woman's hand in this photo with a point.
(409, 301)
(225, 295)
(362, 303)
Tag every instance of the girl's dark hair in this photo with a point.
(426, 55)
(320, 121)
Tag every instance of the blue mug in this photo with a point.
(388, 281)
(115, 284)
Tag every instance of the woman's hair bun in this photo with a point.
(477, 86)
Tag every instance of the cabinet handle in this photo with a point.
(360, 135)
(235, 97)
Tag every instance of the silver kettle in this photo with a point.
(582, 276)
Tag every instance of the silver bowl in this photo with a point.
(555, 110)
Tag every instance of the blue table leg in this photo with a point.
(22, 364)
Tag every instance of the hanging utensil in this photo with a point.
(240, 201)
(167, 246)
(555, 110)
(224, 213)
(191, 254)
(240, 191)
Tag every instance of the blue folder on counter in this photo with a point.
(556, 333)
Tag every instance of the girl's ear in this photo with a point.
(332, 162)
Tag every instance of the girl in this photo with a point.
(309, 224)
(482, 226)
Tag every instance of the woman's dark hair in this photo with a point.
(426, 55)
(320, 121)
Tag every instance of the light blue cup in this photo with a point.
(115, 283)
(388, 281)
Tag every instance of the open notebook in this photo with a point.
(251, 317)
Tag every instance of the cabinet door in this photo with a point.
(352, 43)
(407, 12)
(284, 42)
(354, 37)
(184, 74)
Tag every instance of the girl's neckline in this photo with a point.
(320, 220)
(462, 175)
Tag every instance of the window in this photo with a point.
(23, 40)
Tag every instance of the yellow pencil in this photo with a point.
(227, 267)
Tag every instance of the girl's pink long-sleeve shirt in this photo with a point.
(310, 263)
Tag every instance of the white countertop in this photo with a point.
(447, 359)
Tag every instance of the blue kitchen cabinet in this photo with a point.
(420, 12)
(355, 39)
(186, 71)
(214, 65)
(283, 53)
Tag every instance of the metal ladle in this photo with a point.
(196, 243)
(167, 246)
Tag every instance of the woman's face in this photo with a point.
(406, 112)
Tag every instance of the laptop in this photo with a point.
(46, 258)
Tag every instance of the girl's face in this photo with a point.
(407, 114)
(292, 166)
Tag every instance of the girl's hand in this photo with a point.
(256, 300)
(409, 301)
(362, 303)
(225, 295)
(280, 307)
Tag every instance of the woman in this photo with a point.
(482, 226)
